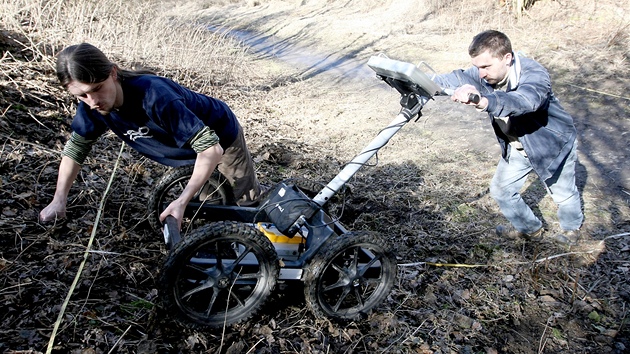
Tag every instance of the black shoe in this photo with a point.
(569, 238)
(510, 232)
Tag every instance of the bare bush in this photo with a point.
(146, 32)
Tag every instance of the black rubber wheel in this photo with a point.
(218, 275)
(351, 275)
(170, 186)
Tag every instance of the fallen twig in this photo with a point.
(405, 336)
(601, 92)
(456, 265)
(118, 341)
(39, 146)
(255, 345)
(543, 339)
(38, 122)
(51, 342)
(615, 236)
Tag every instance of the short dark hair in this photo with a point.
(495, 42)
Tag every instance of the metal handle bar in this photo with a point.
(171, 232)
(372, 148)
(472, 97)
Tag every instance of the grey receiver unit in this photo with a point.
(406, 73)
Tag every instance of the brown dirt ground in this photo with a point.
(428, 192)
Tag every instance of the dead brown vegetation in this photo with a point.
(460, 289)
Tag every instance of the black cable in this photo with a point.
(399, 125)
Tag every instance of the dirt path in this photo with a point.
(347, 73)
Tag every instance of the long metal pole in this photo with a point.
(366, 154)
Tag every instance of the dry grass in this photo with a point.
(149, 33)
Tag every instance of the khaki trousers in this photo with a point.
(237, 166)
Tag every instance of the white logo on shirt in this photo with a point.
(141, 133)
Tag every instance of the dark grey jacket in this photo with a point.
(536, 117)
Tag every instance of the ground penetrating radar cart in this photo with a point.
(223, 270)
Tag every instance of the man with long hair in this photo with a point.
(159, 118)
(534, 131)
